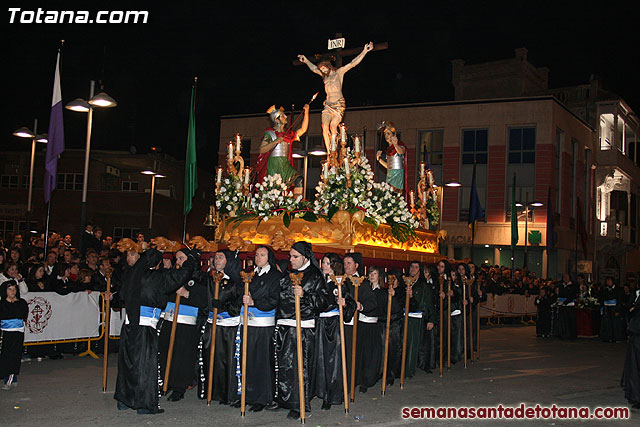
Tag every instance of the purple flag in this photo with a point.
(55, 147)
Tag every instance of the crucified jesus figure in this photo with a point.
(335, 104)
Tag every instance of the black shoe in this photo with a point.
(144, 411)
(176, 396)
(122, 406)
(293, 414)
(235, 404)
(390, 382)
(256, 407)
(224, 402)
(326, 406)
(272, 407)
(363, 389)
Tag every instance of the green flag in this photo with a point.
(514, 215)
(191, 168)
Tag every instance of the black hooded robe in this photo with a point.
(328, 351)
(368, 344)
(313, 302)
(396, 325)
(457, 339)
(265, 291)
(191, 317)
(630, 381)
(428, 354)
(144, 292)
(613, 322)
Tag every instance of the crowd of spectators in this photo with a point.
(66, 266)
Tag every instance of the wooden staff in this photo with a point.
(296, 278)
(448, 324)
(217, 278)
(408, 280)
(356, 281)
(464, 317)
(440, 325)
(107, 324)
(343, 355)
(391, 279)
(174, 325)
(246, 278)
(473, 353)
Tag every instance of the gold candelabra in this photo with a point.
(341, 159)
(426, 190)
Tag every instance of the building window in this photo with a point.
(431, 143)
(559, 145)
(9, 181)
(69, 181)
(130, 186)
(475, 146)
(522, 145)
(125, 232)
(606, 131)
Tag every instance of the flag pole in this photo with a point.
(46, 226)
(190, 137)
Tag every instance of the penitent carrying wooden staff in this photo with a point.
(390, 280)
(217, 278)
(338, 281)
(296, 280)
(473, 353)
(356, 281)
(172, 339)
(246, 279)
(409, 281)
(107, 323)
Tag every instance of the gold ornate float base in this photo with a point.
(346, 233)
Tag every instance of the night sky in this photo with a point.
(242, 53)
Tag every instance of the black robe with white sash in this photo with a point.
(144, 293)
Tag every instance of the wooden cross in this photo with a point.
(337, 54)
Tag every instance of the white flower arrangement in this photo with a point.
(387, 206)
(230, 198)
(380, 201)
(334, 193)
(273, 197)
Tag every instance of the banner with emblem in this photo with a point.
(55, 317)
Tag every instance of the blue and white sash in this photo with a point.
(12, 325)
(187, 314)
(259, 318)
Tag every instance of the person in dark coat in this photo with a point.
(329, 385)
(368, 344)
(313, 301)
(612, 321)
(630, 381)
(264, 292)
(225, 370)
(13, 313)
(191, 316)
(144, 292)
(567, 294)
(396, 288)
(429, 349)
(543, 321)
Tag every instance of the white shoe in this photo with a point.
(6, 387)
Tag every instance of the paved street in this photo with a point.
(515, 367)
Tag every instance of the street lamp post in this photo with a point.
(451, 184)
(526, 226)
(154, 175)
(26, 133)
(101, 100)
